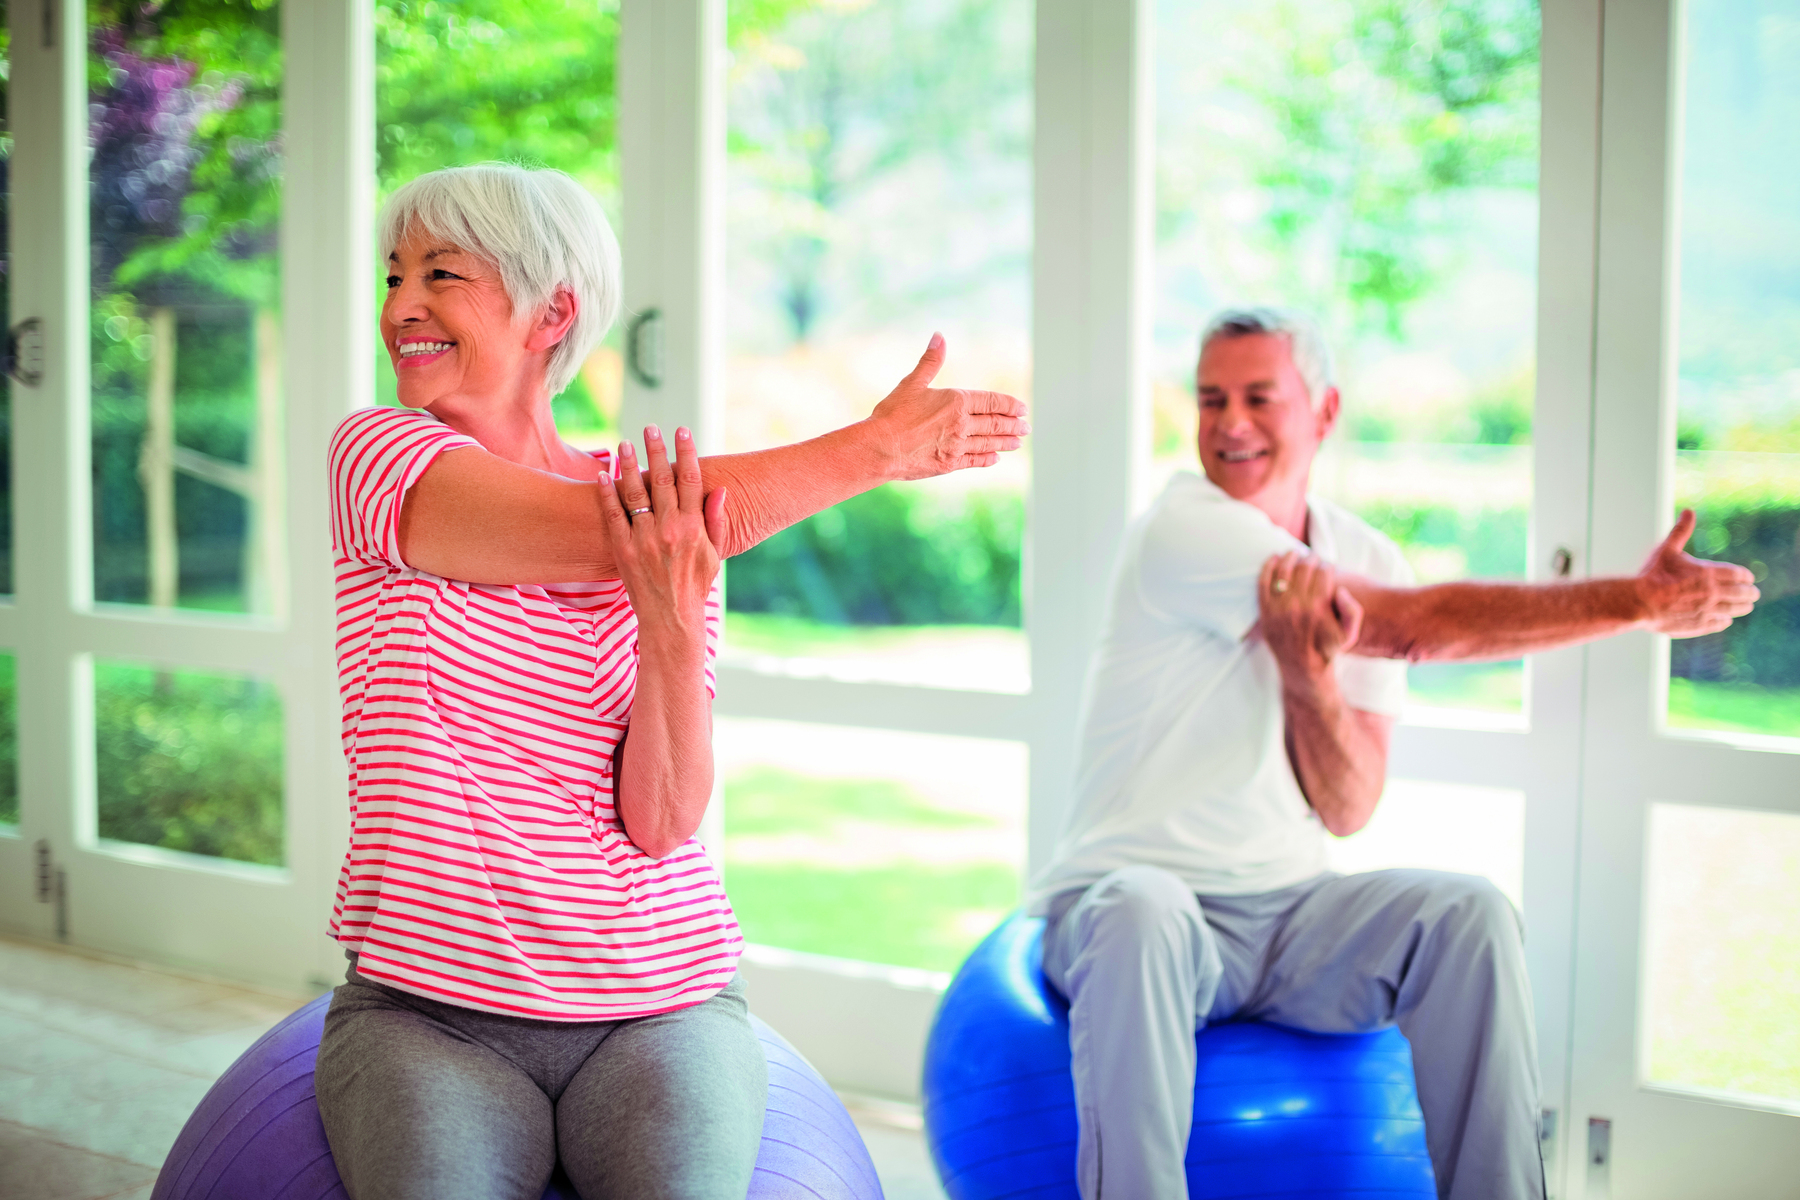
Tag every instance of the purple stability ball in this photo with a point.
(257, 1134)
(1278, 1114)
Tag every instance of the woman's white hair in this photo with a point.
(1306, 345)
(539, 228)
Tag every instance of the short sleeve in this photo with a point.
(1201, 554)
(376, 455)
(1377, 685)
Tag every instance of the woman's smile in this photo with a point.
(419, 351)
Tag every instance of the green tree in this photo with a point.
(827, 102)
(1362, 125)
(480, 80)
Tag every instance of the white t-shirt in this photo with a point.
(1183, 760)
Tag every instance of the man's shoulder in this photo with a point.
(1358, 546)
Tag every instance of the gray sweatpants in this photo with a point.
(429, 1101)
(1144, 962)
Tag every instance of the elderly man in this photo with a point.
(1239, 708)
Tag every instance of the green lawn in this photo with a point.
(1734, 708)
(1485, 687)
(796, 637)
(843, 867)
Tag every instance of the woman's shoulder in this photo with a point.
(379, 431)
(384, 417)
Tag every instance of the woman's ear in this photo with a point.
(554, 321)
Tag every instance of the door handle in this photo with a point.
(24, 359)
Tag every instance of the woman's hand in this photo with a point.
(666, 541)
(926, 431)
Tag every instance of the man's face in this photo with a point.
(1258, 428)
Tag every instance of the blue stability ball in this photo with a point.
(257, 1133)
(1277, 1112)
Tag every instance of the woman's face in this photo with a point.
(448, 326)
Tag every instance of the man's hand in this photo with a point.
(925, 431)
(1308, 618)
(1685, 596)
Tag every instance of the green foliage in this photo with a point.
(189, 760)
(829, 101)
(1493, 540)
(892, 557)
(1762, 649)
(1367, 120)
(480, 80)
(214, 382)
(218, 64)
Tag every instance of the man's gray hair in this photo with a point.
(1306, 345)
(539, 228)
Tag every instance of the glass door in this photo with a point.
(1686, 1065)
(177, 762)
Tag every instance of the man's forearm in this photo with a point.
(1339, 755)
(1472, 621)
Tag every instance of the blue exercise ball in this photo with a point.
(257, 1134)
(1277, 1112)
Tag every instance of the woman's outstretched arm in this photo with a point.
(481, 518)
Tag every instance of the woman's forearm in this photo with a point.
(770, 490)
(1475, 621)
(665, 774)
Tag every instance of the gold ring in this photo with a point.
(636, 511)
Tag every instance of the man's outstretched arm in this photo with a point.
(1675, 594)
(1309, 615)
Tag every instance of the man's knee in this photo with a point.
(1142, 905)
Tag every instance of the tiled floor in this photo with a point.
(101, 1063)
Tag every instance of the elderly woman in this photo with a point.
(542, 958)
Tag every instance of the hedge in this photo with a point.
(892, 557)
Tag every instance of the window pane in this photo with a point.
(1737, 461)
(184, 129)
(189, 760)
(1723, 978)
(1443, 826)
(888, 847)
(9, 740)
(1373, 164)
(879, 187)
(486, 80)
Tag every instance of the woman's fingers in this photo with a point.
(631, 480)
(687, 471)
(662, 475)
(612, 516)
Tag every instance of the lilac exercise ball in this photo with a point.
(257, 1134)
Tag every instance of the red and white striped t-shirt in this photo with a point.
(488, 866)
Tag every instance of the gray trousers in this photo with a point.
(1144, 962)
(429, 1101)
